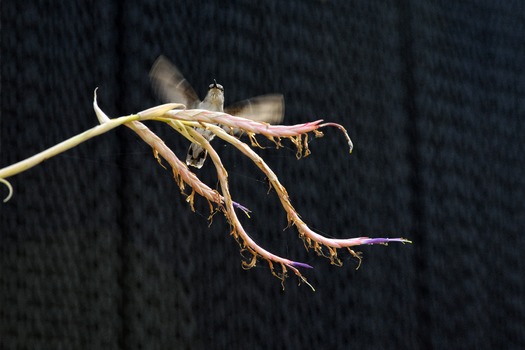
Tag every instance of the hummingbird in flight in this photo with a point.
(171, 86)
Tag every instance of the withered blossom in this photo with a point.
(185, 121)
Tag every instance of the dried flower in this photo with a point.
(222, 125)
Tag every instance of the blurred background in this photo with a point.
(99, 250)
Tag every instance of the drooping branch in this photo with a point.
(238, 231)
(185, 121)
(310, 238)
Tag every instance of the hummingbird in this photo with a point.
(171, 86)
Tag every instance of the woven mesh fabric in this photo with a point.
(98, 248)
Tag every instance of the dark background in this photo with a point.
(99, 250)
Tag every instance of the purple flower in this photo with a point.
(299, 264)
(385, 240)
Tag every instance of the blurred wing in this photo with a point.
(170, 85)
(266, 108)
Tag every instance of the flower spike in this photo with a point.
(184, 121)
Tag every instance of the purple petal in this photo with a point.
(242, 207)
(299, 264)
(385, 240)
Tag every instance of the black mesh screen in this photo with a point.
(98, 248)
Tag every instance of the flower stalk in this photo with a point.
(224, 126)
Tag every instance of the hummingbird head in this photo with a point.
(215, 95)
(214, 85)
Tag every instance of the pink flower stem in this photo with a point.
(238, 229)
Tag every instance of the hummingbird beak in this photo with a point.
(214, 85)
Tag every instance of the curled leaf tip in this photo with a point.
(101, 116)
(9, 189)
